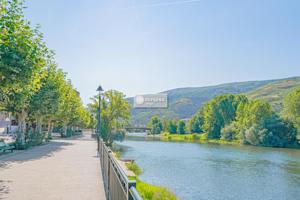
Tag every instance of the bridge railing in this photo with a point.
(116, 183)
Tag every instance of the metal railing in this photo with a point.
(116, 183)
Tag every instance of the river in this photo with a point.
(217, 172)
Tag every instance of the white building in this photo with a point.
(4, 122)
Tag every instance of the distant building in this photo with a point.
(4, 122)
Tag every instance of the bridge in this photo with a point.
(138, 129)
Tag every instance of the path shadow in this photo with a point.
(34, 153)
(4, 189)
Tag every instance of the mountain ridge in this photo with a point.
(186, 101)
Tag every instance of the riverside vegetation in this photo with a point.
(146, 190)
(236, 119)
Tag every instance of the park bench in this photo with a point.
(6, 147)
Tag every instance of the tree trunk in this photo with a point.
(49, 129)
(65, 129)
(39, 125)
(22, 126)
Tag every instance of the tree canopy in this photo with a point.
(234, 117)
(291, 107)
(181, 127)
(115, 114)
(156, 125)
(32, 87)
(219, 112)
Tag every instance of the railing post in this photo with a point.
(130, 184)
(108, 169)
(116, 183)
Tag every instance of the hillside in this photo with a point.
(275, 92)
(184, 102)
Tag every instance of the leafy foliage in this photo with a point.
(291, 109)
(220, 112)
(259, 125)
(156, 125)
(115, 114)
(181, 127)
(172, 127)
(32, 88)
(234, 117)
(230, 132)
(196, 123)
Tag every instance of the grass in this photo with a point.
(132, 166)
(152, 192)
(117, 154)
(200, 138)
(146, 190)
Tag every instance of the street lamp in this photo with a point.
(99, 89)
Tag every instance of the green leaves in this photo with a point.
(220, 112)
(23, 57)
(291, 107)
(172, 127)
(30, 81)
(115, 114)
(156, 125)
(181, 127)
(196, 123)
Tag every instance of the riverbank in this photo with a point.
(199, 138)
(146, 190)
(202, 139)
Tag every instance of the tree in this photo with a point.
(181, 127)
(253, 112)
(23, 58)
(165, 124)
(196, 123)
(255, 134)
(45, 103)
(115, 114)
(230, 132)
(259, 125)
(155, 124)
(281, 132)
(220, 112)
(31, 86)
(291, 107)
(172, 127)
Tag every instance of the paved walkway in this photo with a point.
(62, 169)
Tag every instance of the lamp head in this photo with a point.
(99, 89)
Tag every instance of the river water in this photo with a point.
(217, 172)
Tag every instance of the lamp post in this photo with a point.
(99, 89)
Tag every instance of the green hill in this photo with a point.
(184, 102)
(275, 92)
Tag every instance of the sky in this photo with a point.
(149, 46)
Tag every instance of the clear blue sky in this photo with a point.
(139, 46)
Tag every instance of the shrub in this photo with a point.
(132, 166)
(229, 132)
(254, 135)
(272, 132)
(195, 137)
